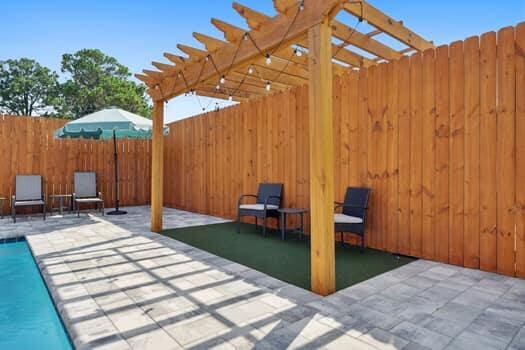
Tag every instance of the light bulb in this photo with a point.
(223, 80)
(298, 53)
(268, 59)
(268, 86)
(245, 36)
(230, 98)
(250, 70)
(218, 87)
(301, 6)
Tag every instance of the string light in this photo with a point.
(268, 86)
(297, 52)
(245, 37)
(218, 87)
(230, 98)
(250, 70)
(301, 6)
(223, 80)
(268, 59)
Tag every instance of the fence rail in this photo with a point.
(438, 136)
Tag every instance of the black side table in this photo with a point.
(291, 211)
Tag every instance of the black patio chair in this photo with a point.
(267, 201)
(353, 214)
(28, 193)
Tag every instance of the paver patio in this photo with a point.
(119, 286)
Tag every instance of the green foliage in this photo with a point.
(97, 81)
(27, 88)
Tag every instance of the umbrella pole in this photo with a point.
(117, 211)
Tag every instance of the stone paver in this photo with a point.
(119, 286)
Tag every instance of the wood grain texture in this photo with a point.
(322, 252)
(28, 146)
(444, 165)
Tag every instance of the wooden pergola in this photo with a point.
(303, 44)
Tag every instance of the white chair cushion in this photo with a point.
(87, 200)
(346, 219)
(33, 202)
(258, 206)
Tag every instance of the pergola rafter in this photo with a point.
(302, 44)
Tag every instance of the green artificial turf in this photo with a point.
(287, 260)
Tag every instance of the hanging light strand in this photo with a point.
(247, 36)
(352, 31)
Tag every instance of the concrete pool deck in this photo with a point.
(119, 286)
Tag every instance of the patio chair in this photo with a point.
(353, 214)
(85, 187)
(267, 201)
(28, 193)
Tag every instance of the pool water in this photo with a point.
(28, 318)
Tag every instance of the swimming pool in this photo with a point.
(28, 318)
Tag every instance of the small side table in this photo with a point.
(2, 201)
(291, 211)
(61, 198)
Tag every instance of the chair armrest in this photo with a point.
(100, 195)
(342, 205)
(244, 196)
(268, 198)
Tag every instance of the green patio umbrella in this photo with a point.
(112, 123)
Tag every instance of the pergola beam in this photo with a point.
(256, 19)
(387, 24)
(164, 67)
(234, 34)
(218, 95)
(268, 37)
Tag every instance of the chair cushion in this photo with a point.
(258, 206)
(35, 202)
(88, 200)
(346, 219)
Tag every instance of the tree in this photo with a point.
(98, 81)
(27, 88)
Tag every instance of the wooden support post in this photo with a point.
(322, 250)
(157, 166)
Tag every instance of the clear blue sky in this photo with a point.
(139, 31)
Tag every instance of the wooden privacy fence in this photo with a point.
(27, 146)
(438, 136)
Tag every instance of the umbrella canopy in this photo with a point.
(101, 125)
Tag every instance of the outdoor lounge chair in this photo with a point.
(268, 200)
(86, 191)
(28, 193)
(353, 215)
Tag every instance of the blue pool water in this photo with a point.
(28, 318)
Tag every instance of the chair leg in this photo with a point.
(102, 208)
(256, 223)
(362, 244)
(264, 226)
(44, 211)
(342, 239)
(13, 213)
(78, 210)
